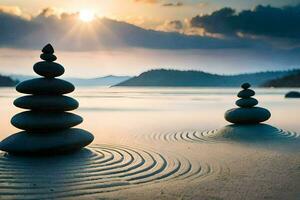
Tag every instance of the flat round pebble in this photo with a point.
(48, 69)
(57, 142)
(45, 121)
(246, 103)
(246, 93)
(245, 85)
(48, 57)
(292, 94)
(46, 103)
(247, 115)
(45, 86)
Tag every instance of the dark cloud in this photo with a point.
(14, 29)
(65, 31)
(178, 4)
(263, 21)
(174, 25)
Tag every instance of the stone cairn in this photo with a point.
(47, 125)
(247, 113)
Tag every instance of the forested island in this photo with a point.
(292, 80)
(6, 81)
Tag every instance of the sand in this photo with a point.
(158, 154)
(166, 169)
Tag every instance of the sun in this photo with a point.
(86, 15)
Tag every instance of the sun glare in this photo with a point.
(86, 15)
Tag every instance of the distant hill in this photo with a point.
(6, 81)
(292, 80)
(176, 78)
(100, 81)
(21, 78)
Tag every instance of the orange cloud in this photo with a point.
(11, 10)
(147, 1)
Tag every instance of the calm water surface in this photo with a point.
(113, 113)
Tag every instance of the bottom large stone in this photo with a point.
(58, 142)
(247, 115)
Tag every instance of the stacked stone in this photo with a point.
(47, 126)
(247, 113)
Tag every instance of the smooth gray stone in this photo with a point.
(48, 69)
(58, 142)
(247, 115)
(48, 57)
(292, 94)
(45, 86)
(48, 49)
(246, 103)
(45, 121)
(246, 93)
(46, 103)
(245, 85)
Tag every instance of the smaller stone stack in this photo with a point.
(47, 125)
(247, 113)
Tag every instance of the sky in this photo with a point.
(126, 37)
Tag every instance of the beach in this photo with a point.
(154, 143)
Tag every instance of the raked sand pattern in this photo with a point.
(99, 169)
(212, 136)
(181, 136)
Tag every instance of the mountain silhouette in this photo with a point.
(176, 78)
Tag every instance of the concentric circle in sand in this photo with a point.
(101, 168)
(261, 132)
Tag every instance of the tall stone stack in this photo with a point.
(47, 125)
(248, 112)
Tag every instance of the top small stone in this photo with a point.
(245, 85)
(48, 49)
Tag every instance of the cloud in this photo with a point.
(147, 1)
(147, 22)
(66, 32)
(176, 24)
(262, 22)
(10, 10)
(49, 11)
(171, 26)
(178, 4)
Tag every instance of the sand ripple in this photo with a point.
(214, 136)
(99, 169)
(186, 136)
(288, 134)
